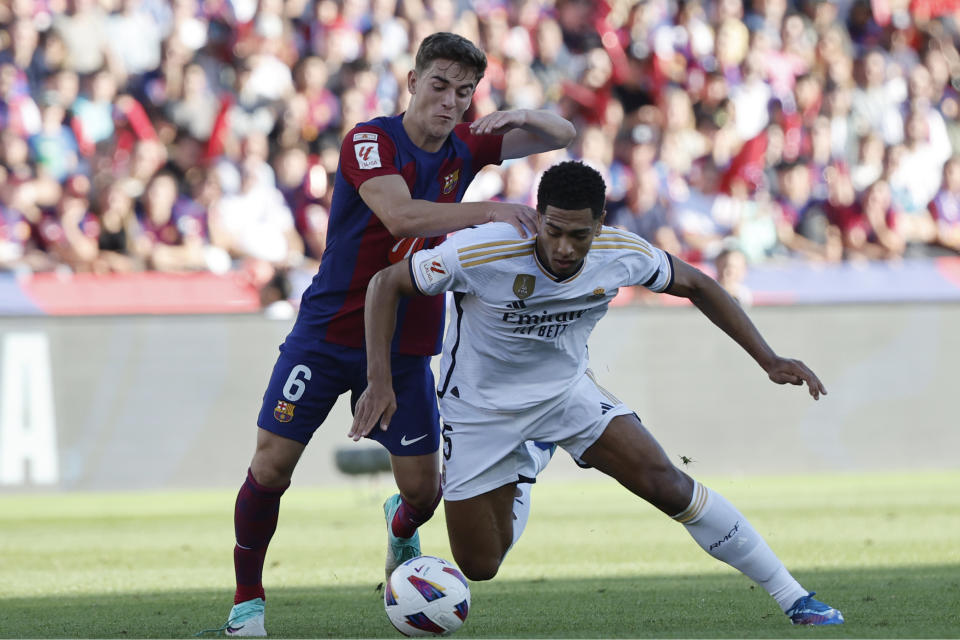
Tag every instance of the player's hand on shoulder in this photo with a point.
(790, 371)
(376, 405)
(498, 122)
(522, 217)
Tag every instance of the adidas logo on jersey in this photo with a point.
(518, 304)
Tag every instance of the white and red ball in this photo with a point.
(427, 596)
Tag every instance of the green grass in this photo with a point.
(594, 562)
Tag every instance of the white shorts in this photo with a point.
(484, 450)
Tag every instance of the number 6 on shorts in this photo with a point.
(294, 386)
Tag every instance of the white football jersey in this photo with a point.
(518, 335)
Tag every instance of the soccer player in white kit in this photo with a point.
(515, 369)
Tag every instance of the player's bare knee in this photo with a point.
(479, 567)
(423, 496)
(268, 476)
(269, 471)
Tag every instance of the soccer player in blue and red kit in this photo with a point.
(398, 189)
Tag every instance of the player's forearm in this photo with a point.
(380, 320)
(424, 219)
(556, 131)
(719, 306)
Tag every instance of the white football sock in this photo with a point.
(521, 512)
(725, 534)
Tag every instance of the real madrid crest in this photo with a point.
(598, 294)
(523, 285)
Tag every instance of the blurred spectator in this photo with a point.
(134, 38)
(846, 214)
(257, 224)
(731, 266)
(750, 96)
(945, 207)
(696, 205)
(313, 108)
(802, 224)
(305, 187)
(93, 112)
(18, 111)
(53, 148)
(868, 165)
(63, 85)
(915, 176)
(173, 237)
(194, 109)
(83, 29)
(518, 184)
(879, 215)
(920, 101)
(645, 213)
(118, 232)
(25, 56)
(69, 233)
(875, 101)
(843, 129)
(550, 59)
(584, 99)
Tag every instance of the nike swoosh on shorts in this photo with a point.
(406, 442)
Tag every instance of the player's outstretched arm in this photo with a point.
(377, 403)
(526, 131)
(404, 217)
(715, 303)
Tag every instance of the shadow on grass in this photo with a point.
(922, 602)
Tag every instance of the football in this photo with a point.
(427, 596)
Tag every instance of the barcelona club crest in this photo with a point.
(523, 285)
(450, 181)
(283, 412)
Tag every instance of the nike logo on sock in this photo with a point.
(407, 443)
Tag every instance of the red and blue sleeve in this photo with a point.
(367, 152)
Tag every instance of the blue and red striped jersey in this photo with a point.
(358, 245)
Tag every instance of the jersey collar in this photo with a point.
(549, 274)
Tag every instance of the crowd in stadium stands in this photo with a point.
(204, 134)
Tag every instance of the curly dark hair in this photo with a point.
(572, 185)
(450, 46)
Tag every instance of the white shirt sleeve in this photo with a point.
(654, 272)
(437, 270)
(643, 263)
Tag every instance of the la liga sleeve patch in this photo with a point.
(432, 271)
(368, 154)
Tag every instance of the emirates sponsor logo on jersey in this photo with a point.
(368, 155)
(543, 324)
(283, 412)
(523, 285)
(433, 270)
(450, 181)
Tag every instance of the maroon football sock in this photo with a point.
(407, 519)
(254, 521)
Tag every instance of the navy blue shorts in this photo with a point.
(305, 385)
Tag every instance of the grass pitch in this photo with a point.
(593, 562)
